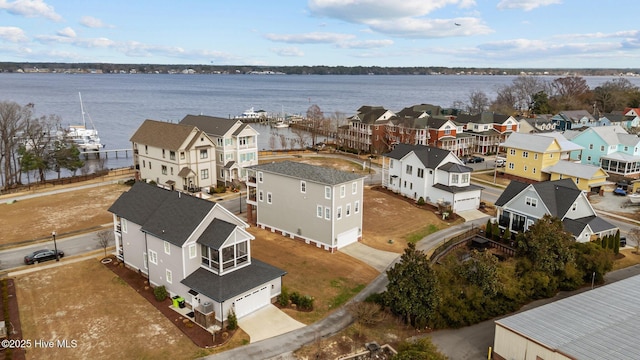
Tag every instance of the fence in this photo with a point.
(464, 239)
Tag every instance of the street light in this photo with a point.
(55, 245)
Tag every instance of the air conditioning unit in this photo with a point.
(207, 307)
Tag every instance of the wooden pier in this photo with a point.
(98, 154)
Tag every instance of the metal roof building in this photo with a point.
(602, 323)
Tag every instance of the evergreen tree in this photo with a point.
(413, 289)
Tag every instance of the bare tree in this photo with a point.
(634, 235)
(104, 238)
(315, 119)
(570, 93)
(272, 141)
(301, 136)
(40, 136)
(13, 118)
(478, 102)
(283, 141)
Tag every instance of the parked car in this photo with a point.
(476, 159)
(620, 192)
(623, 241)
(500, 162)
(42, 255)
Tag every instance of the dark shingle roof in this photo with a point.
(211, 125)
(221, 288)
(162, 134)
(140, 202)
(457, 189)
(431, 157)
(167, 215)
(455, 168)
(596, 223)
(216, 234)
(557, 195)
(318, 174)
(514, 188)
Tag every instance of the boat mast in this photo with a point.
(82, 110)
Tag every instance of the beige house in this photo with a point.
(175, 156)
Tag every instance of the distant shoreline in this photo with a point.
(104, 68)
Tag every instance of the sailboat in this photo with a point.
(86, 139)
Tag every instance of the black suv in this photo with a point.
(42, 255)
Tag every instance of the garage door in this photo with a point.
(347, 237)
(251, 302)
(465, 204)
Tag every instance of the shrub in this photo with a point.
(304, 302)
(283, 299)
(421, 201)
(375, 298)
(160, 292)
(295, 297)
(232, 320)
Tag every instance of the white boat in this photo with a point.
(634, 198)
(280, 124)
(251, 114)
(86, 139)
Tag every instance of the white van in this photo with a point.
(500, 162)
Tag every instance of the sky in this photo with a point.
(387, 33)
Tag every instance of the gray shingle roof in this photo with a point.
(216, 234)
(457, 189)
(167, 215)
(570, 168)
(512, 190)
(314, 173)
(455, 168)
(602, 323)
(162, 134)
(222, 288)
(596, 223)
(431, 157)
(558, 195)
(212, 125)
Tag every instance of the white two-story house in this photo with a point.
(520, 205)
(196, 249)
(316, 204)
(175, 156)
(236, 144)
(430, 173)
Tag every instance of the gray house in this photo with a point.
(317, 204)
(195, 248)
(520, 205)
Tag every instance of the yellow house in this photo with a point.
(529, 155)
(588, 178)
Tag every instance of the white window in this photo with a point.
(531, 201)
(269, 197)
(172, 155)
(153, 257)
(327, 192)
(511, 166)
(123, 225)
(204, 154)
(181, 155)
(169, 276)
(574, 207)
(354, 188)
(356, 207)
(167, 248)
(409, 169)
(348, 209)
(164, 169)
(465, 178)
(220, 157)
(327, 213)
(525, 154)
(512, 151)
(261, 195)
(534, 170)
(525, 168)
(454, 178)
(420, 172)
(339, 213)
(259, 176)
(303, 187)
(204, 174)
(602, 148)
(590, 146)
(192, 251)
(391, 164)
(535, 156)
(343, 191)
(319, 211)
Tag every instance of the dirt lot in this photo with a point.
(106, 317)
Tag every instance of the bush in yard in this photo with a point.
(283, 299)
(295, 297)
(232, 320)
(306, 302)
(160, 292)
(421, 201)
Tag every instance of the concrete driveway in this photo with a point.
(378, 259)
(268, 322)
(470, 215)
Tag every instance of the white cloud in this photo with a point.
(30, 8)
(91, 22)
(431, 28)
(67, 32)
(310, 38)
(526, 5)
(600, 35)
(12, 34)
(288, 51)
(364, 44)
(363, 11)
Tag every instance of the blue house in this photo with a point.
(610, 147)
